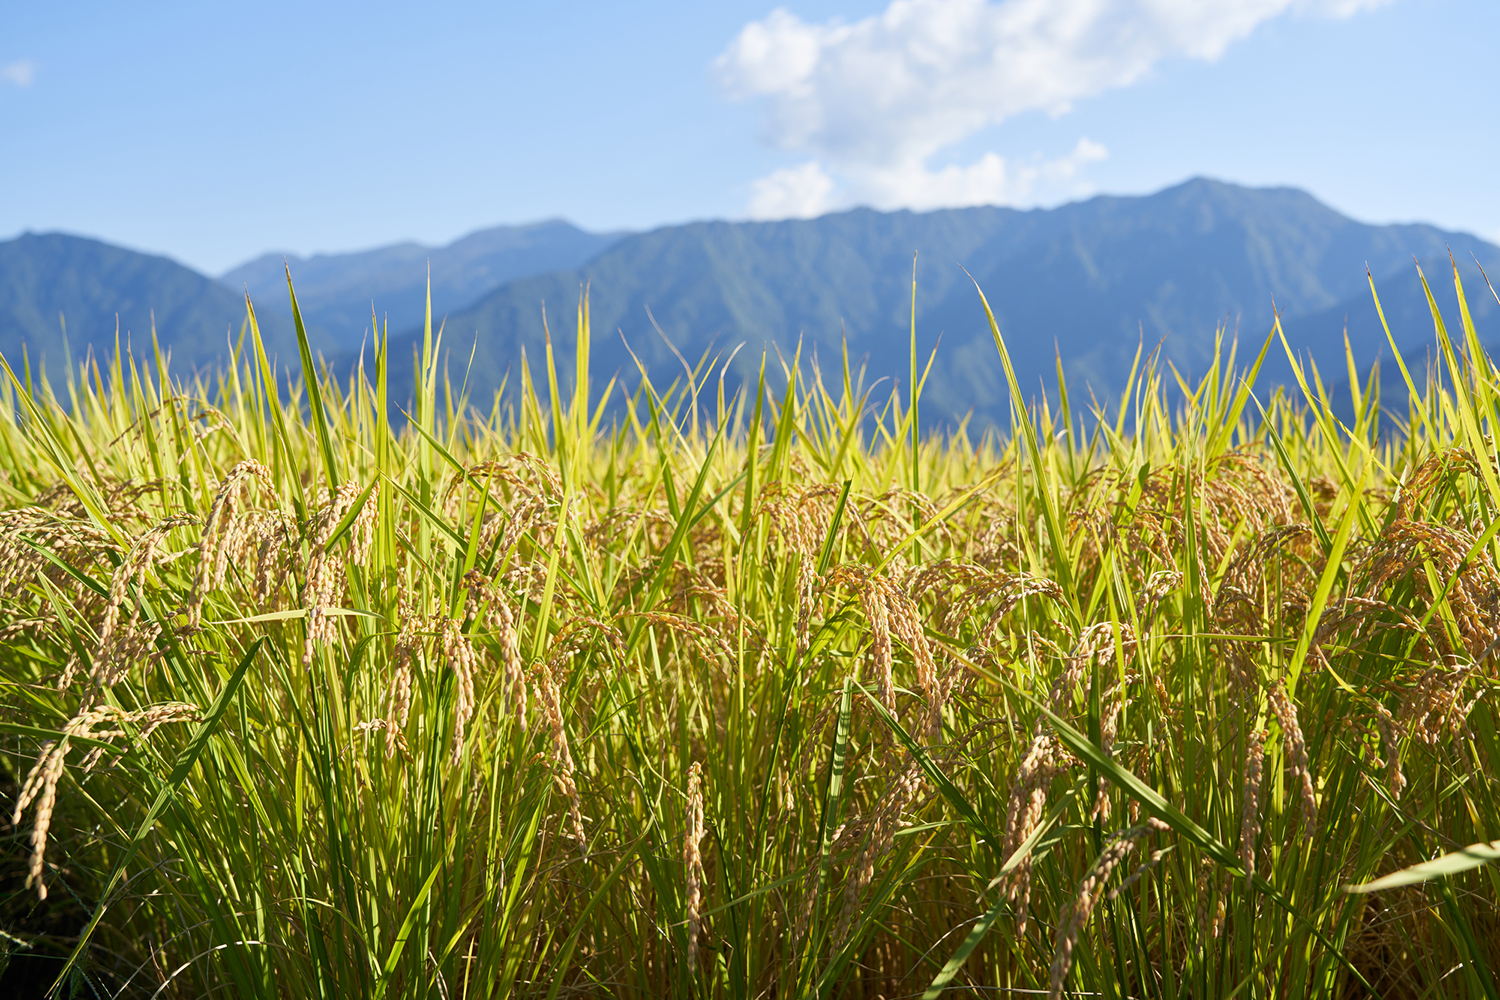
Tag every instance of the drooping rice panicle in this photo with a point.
(924, 673)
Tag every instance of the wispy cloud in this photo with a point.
(874, 101)
(21, 72)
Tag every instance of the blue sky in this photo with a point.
(214, 132)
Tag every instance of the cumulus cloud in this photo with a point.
(875, 100)
(806, 191)
(794, 193)
(21, 72)
(990, 180)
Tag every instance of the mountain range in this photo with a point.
(53, 283)
(1086, 283)
(338, 293)
(1089, 282)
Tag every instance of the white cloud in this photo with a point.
(990, 180)
(21, 72)
(793, 193)
(875, 100)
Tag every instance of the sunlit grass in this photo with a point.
(704, 690)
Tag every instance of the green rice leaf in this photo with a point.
(1453, 863)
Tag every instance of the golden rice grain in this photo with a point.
(41, 781)
(224, 534)
(1089, 893)
(692, 860)
(1255, 755)
(1296, 754)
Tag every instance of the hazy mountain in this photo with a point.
(1320, 334)
(336, 292)
(1090, 280)
(51, 278)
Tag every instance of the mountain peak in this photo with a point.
(1089, 280)
(97, 288)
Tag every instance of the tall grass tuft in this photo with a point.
(690, 691)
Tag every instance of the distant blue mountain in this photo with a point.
(338, 293)
(52, 281)
(1088, 281)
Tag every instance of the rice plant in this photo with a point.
(696, 690)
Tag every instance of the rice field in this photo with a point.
(696, 690)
